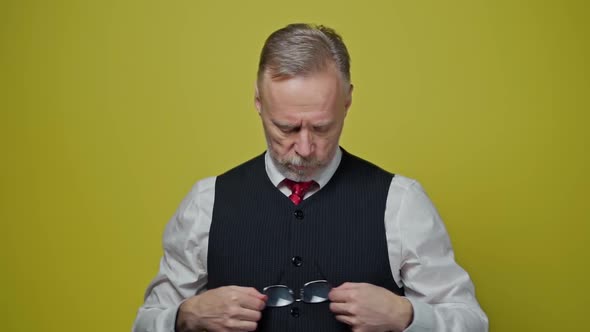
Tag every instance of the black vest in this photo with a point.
(258, 237)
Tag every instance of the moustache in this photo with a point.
(301, 162)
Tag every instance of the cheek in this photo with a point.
(274, 138)
(328, 141)
(326, 146)
(278, 140)
(281, 145)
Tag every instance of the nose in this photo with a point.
(304, 144)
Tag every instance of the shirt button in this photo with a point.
(297, 261)
(295, 312)
(298, 214)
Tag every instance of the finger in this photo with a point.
(249, 315)
(241, 325)
(348, 320)
(348, 285)
(250, 291)
(339, 295)
(252, 303)
(340, 308)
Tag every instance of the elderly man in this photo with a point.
(306, 236)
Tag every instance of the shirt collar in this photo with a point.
(322, 177)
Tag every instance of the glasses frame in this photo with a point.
(301, 297)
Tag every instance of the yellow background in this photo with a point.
(111, 110)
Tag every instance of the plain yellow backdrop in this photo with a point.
(111, 110)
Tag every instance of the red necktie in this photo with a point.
(298, 189)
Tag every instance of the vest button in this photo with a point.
(295, 312)
(298, 214)
(297, 261)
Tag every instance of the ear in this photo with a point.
(257, 101)
(348, 100)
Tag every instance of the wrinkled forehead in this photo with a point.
(270, 76)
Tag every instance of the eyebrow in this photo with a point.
(323, 124)
(288, 126)
(285, 125)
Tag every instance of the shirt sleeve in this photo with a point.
(422, 261)
(183, 267)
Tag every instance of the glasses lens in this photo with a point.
(278, 296)
(315, 291)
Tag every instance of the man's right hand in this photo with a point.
(228, 308)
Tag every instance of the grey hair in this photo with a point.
(302, 49)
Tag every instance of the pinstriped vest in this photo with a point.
(258, 237)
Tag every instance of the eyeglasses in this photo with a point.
(312, 292)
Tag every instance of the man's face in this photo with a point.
(303, 118)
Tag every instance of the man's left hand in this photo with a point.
(370, 308)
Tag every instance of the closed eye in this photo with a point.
(322, 128)
(287, 128)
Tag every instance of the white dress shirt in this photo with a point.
(420, 253)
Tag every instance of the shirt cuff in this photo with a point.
(168, 323)
(423, 320)
(156, 319)
(172, 322)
